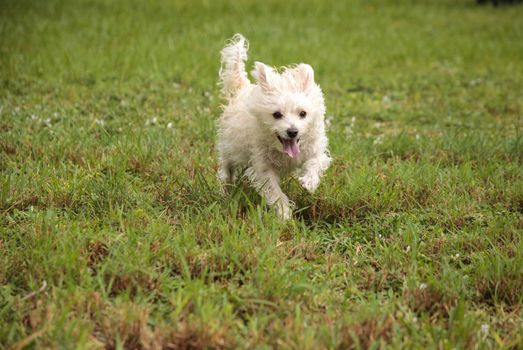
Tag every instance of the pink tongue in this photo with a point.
(291, 147)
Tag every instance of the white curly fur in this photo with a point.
(249, 135)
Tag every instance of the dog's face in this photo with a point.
(289, 106)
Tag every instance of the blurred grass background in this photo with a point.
(109, 199)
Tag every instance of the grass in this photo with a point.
(113, 231)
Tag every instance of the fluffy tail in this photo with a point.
(232, 72)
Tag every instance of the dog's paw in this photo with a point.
(284, 212)
(284, 209)
(310, 182)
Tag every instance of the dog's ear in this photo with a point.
(305, 75)
(263, 75)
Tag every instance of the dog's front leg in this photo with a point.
(312, 170)
(266, 180)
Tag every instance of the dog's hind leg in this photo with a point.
(226, 174)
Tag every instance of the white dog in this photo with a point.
(273, 128)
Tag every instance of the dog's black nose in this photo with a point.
(292, 132)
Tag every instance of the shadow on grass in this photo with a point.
(320, 211)
(241, 198)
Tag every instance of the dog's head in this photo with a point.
(289, 105)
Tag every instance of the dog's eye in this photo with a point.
(277, 115)
(303, 114)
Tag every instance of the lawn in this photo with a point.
(114, 232)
